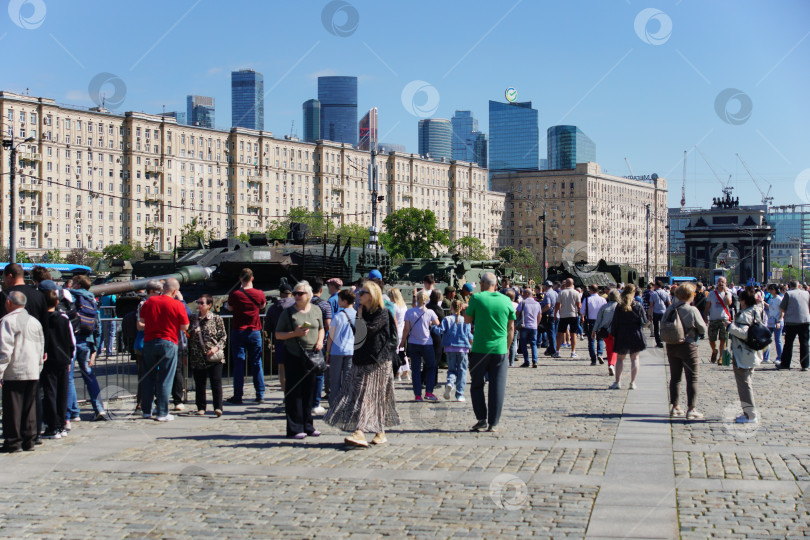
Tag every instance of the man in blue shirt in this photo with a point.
(340, 346)
(334, 285)
(659, 300)
(550, 323)
(531, 310)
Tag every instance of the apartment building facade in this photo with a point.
(589, 215)
(91, 179)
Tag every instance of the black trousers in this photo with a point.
(179, 382)
(683, 360)
(656, 320)
(211, 373)
(298, 399)
(54, 381)
(791, 331)
(138, 358)
(19, 414)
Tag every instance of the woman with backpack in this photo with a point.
(746, 359)
(601, 327)
(685, 320)
(628, 337)
(457, 340)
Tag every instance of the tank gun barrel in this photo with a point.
(185, 275)
(485, 264)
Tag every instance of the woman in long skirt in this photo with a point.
(366, 401)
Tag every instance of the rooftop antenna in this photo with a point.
(683, 185)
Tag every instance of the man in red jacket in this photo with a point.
(163, 318)
(246, 303)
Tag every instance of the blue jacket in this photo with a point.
(93, 340)
(455, 334)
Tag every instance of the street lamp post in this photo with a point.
(12, 162)
(543, 218)
(647, 206)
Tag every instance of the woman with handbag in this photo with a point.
(628, 338)
(206, 350)
(745, 358)
(601, 328)
(404, 371)
(417, 338)
(301, 328)
(366, 402)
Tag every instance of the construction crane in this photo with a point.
(765, 195)
(725, 188)
(629, 167)
(683, 185)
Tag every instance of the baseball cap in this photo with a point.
(548, 284)
(284, 288)
(335, 281)
(48, 285)
(374, 274)
(468, 287)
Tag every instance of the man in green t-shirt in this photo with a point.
(493, 321)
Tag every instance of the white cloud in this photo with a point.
(76, 95)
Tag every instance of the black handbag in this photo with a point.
(313, 360)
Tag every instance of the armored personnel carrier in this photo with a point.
(602, 274)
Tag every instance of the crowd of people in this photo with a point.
(354, 342)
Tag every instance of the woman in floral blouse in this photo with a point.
(206, 347)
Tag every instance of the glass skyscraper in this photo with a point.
(338, 97)
(247, 99)
(312, 120)
(435, 138)
(513, 137)
(567, 146)
(200, 111)
(368, 130)
(469, 144)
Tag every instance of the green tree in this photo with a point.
(523, 261)
(117, 251)
(53, 256)
(469, 247)
(410, 232)
(316, 221)
(22, 257)
(358, 233)
(83, 256)
(195, 232)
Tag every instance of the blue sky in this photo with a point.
(646, 92)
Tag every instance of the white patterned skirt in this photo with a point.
(366, 401)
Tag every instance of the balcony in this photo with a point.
(467, 200)
(34, 187)
(154, 169)
(154, 197)
(155, 226)
(29, 156)
(254, 204)
(30, 218)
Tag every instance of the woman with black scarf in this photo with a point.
(366, 401)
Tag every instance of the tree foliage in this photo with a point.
(83, 256)
(523, 261)
(117, 251)
(358, 233)
(194, 232)
(315, 220)
(410, 232)
(53, 256)
(469, 247)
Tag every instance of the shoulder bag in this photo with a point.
(215, 358)
(313, 360)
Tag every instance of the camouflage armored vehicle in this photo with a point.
(602, 274)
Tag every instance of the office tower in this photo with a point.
(180, 117)
(200, 111)
(368, 130)
(338, 97)
(384, 147)
(480, 149)
(247, 99)
(567, 146)
(513, 137)
(543, 164)
(436, 138)
(312, 120)
(469, 144)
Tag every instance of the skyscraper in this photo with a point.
(180, 117)
(247, 99)
(567, 146)
(513, 137)
(480, 149)
(464, 124)
(368, 130)
(436, 138)
(338, 97)
(312, 120)
(200, 111)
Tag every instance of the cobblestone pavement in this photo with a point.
(540, 475)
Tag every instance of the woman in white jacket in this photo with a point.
(746, 359)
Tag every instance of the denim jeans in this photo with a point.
(89, 376)
(108, 336)
(417, 353)
(252, 341)
(339, 367)
(513, 350)
(551, 335)
(492, 366)
(73, 410)
(596, 347)
(317, 390)
(528, 338)
(777, 340)
(457, 371)
(159, 365)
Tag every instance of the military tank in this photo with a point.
(602, 274)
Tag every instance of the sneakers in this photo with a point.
(233, 400)
(461, 398)
(357, 438)
(318, 410)
(659, 345)
(742, 419)
(100, 417)
(417, 398)
(633, 386)
(611, 371)
(593, 362)
(258, 400)
(379, 438)
(315, 433)
(63, 433)
(524, 364)
(675, 411)
(201, 412)
(481, 425)
(299, 436)
(52, 434)
(601, 360)
(615, 386)
(555, 355)
(167, 418)
(67, 425)
(694, 415)
(146, 416)
(431, 397)
(492, 429)
(179, 407)
(448, 389)
(574, 355)
(218, 412)
(534, 365)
